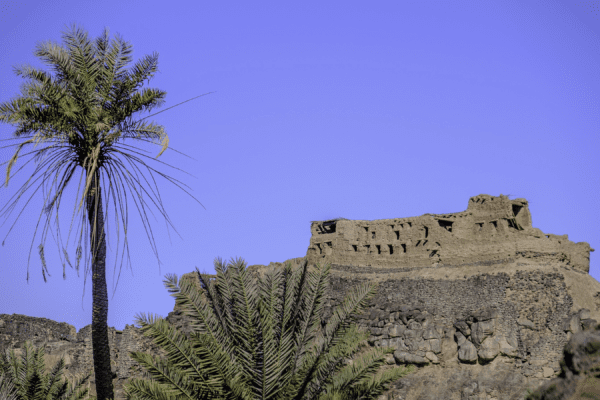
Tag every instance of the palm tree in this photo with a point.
(84, 111)
(264, 340)
(28, 381)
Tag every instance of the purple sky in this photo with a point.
(320, 111)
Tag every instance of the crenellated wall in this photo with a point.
(492, 228)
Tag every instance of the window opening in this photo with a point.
(513, 224)
(516, 209)
(447, 225)
(328, 227)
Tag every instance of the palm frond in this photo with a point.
(26, 379)
(205, 323)
(79, 115)
(317, 368)
(273, 363)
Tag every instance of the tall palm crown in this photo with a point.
(84, 111)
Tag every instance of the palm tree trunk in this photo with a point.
(100, 346)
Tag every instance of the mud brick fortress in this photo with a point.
(492, 228)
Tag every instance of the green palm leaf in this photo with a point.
(76, 120)
(261, 339)
(26, 380)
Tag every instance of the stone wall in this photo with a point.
(76, 348)
(490, 330)
(60, 339)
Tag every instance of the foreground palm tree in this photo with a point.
(262, 340)
(84, 111)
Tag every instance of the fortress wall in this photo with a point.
(491, 228)
(517, 324)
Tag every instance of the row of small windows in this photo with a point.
(390, 247)
(378, 247)
(330, 228)
(444, 224)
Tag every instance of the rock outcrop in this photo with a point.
(61, 340)
(580, 370)
(485, 313)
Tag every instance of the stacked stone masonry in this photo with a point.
(485, 317)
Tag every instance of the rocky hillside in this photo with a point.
(490, 327)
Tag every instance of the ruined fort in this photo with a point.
(491, 229)
(479, 300)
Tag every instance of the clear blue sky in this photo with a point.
(322, 110)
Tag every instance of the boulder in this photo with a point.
(580, 370)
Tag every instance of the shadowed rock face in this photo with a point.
(489, 328)
(580, 370)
